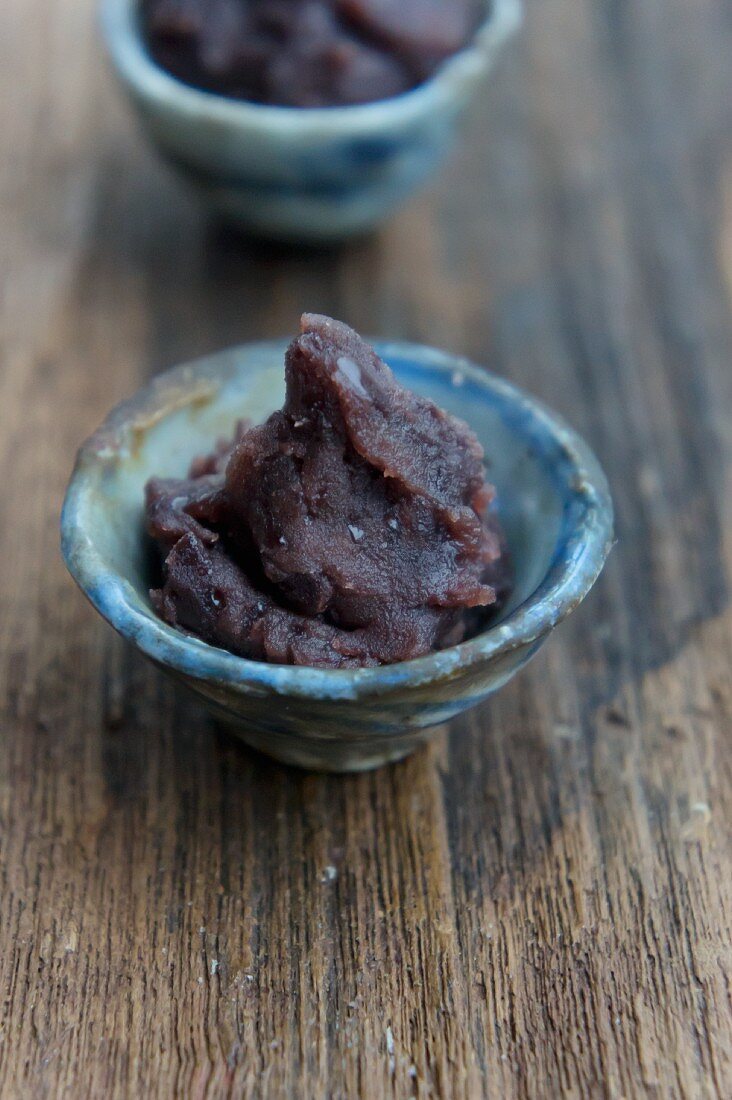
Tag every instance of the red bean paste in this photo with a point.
(353, 528)
(307, 53)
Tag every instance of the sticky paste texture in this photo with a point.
(306, 53)
(352, 528)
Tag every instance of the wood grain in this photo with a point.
(541, 905)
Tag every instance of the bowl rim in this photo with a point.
(580, 553)
(454, 77)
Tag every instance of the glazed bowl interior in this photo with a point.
(178, 417)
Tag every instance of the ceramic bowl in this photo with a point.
(553, 502)
(302, 174)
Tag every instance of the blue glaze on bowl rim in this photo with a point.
(120, 27)
(585, 540)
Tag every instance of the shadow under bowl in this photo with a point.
(314, 175)
(553, 502)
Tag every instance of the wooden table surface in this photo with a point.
(541, 904)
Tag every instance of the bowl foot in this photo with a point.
(326, 755)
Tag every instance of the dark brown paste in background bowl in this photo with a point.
(353, 528)
(307, 53)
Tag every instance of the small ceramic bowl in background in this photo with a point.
(303, 174)
(554, 505)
